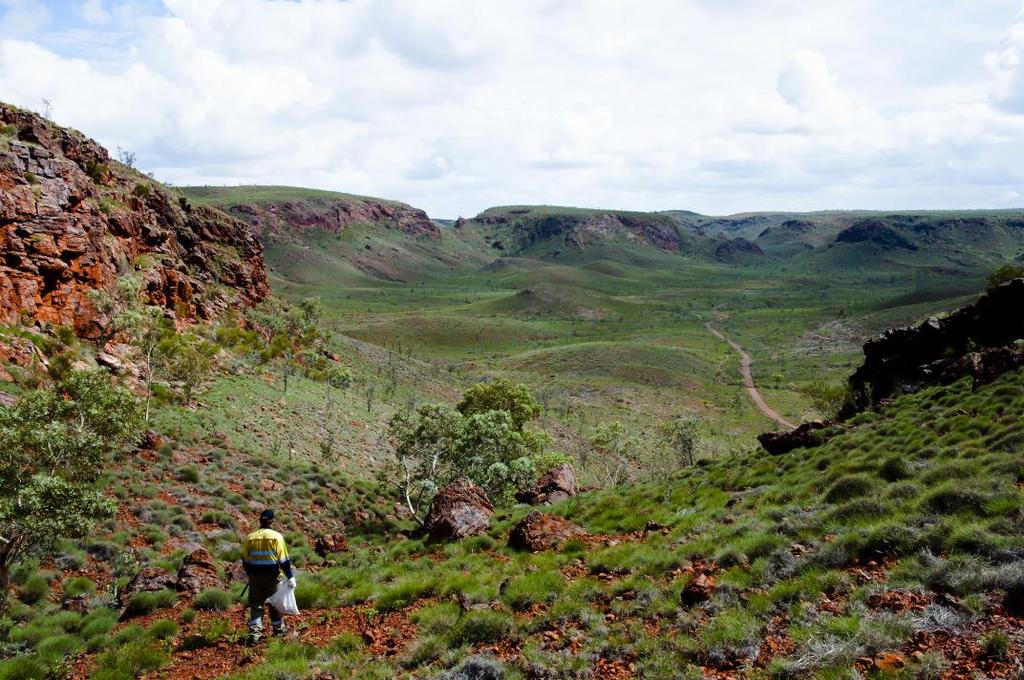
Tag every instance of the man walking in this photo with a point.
(264, 557)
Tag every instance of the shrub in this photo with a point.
(475, 668)
(58, 647)
(189, 474)
(79, 585)
(1004, 273)
(894, 469)
(404, 592)
(35, 589)
(849, 486)
(530, 589)
(213, 599)
(133, 659)
(24, 668)
(162, 629)
(148, 602)
(187, 616)
(483, 627)
(952, 498)
(995, 644)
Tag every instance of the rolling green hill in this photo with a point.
(485, 294)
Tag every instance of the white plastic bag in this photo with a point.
(283, 599)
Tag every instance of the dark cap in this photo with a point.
(267, 515)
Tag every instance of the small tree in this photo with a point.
(288, 333)
(423, 441)
(126, 157)
(501, 395)
(1007, 272)
(492, 452)
(681, 435)
(617, 449)
(186, 358)
(436, 443)
(826, 397)
(53, 445)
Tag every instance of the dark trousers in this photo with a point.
(262, 586)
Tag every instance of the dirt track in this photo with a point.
(748, 379)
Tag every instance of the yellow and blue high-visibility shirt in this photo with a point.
(264, 551)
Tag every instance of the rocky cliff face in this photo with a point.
(334, 215)
(72, 221)
(514, 229)
(980, 340)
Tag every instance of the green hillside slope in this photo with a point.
(895, 548)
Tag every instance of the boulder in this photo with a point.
(557, 485)
(151, 440)
(235, 572)
(149, 580)
(700, 589)
(1013, 599)
(110, 361)
(331, 543)
(538, 531)
(459, 509)
(79, 603)
(805, 436)
(198, 572)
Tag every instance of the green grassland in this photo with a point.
(217, 196)
(589, 327)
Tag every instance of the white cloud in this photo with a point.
(22, 16)
(454, 105)
(94, 12)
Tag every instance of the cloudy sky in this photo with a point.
(718, 106)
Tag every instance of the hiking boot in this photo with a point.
(253, 638)
(280, 631)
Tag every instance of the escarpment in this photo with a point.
(72, 221)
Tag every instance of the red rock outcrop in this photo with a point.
(538, 531)
(331, 543)
(73, 221)
(198, 572)
(149, 580)
(699, 589)
(554, 486)
(805, 436)
(517, 228)
(334, 215)
(459, 509)
(978, 340)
